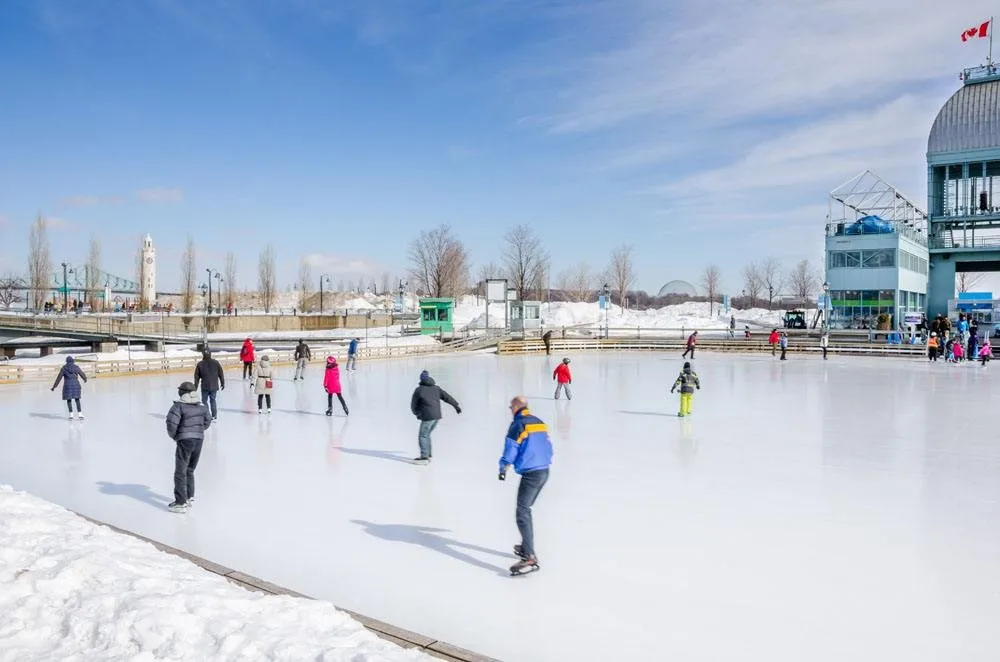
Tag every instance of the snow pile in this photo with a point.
(73, 589)
(688, 315)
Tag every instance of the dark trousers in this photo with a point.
(527, 493)
(932, 353)
(260, 400)
(690, 348)
(208, 399)
(783, 350)
(548, 345)
(185, 462)
(824, 353)
(69, 405)
(247, 369)
(329, 401)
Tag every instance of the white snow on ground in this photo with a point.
(75, 590)
(689, 315)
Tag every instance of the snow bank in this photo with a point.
(688, 315)
(72, 589)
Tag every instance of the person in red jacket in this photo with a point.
(773, 339)
(563, 379)
(692, 339)
(247, 356)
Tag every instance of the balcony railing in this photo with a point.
(959, 242)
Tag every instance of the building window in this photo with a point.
(878, 259)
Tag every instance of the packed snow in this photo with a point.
(73, 589)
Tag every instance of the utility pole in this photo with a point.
(321, 279)
(65, 295)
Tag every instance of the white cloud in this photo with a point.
(58, 223)
(341, 266)
(158, 195)
(90, 200)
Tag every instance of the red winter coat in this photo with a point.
(246, 352)
(773, 338)
(561, 373)
(692, 339)
(331, 379)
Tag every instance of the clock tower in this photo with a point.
(147, 286)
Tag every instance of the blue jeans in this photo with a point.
(424, 438)
(527, 492)
(208, 399)
(351, 362)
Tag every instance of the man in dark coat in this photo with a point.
(426, 406)
(302, 356)
(547, 339)
(209, 374)
(187, 421)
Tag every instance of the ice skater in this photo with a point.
(187, 421)
(773, 340)
(331, 383)
(212, 379)
(985, 352)
(692, 339)
(547, 339)
(783, 342)
(352, 354)
(70, 375)
(302, 356)
(264, 384)
(247, 357)
(563, 379)
(426, 406)
(687, 381)
(932, 347)
(529, 448)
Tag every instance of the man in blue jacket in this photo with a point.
(529, 449)
(352, 354)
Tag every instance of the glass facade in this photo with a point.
(965, 189)
(880, 258)
(860, 309)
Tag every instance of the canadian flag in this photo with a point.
(981, 32)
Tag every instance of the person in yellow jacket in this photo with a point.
(688, 382)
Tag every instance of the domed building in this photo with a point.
(678, 287)
(963, 186)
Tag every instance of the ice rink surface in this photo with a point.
(808, 510)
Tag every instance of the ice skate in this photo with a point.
(268, 411)
(80, 415)
(421, 460)
(524, 566)
(72, 416)
(329, 412)
(175, 507)
(519, 552)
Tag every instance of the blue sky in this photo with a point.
(701, 132)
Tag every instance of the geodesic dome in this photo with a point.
(678, 287)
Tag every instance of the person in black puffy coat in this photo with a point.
(426, 406)
(70, 375)
(187, 421)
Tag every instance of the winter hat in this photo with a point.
(185, 387)
(265, 359)
(424, 375)
(331, 360)
(566, 361)
(687, 365)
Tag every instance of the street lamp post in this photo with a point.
(322, 278)
(218, 290)
(65, 290)
(204, 327)
(402, 291)
(607, 306)
(208, 306)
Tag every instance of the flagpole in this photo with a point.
(989, 58)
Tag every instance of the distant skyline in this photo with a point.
(701, 132)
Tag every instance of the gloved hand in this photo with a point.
(458, 410)
(698, 387)
(53, 388)
(673, 389)
(503, 474)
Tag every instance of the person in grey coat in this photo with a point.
(302, 356)
(426, 406)
(187, 421)
(70, 375)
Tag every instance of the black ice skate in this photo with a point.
(421, 460)
(519, 552)
(525, 566)
(329, 412)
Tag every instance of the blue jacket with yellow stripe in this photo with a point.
(527, 446)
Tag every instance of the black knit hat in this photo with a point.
(185, 387)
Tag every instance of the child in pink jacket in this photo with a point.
(331, 383)
(957, 350)
(985, 352)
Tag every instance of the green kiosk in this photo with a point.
(436, 316)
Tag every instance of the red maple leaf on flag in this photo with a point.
(977, 33)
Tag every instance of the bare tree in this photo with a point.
(266, 278)
(524, 259)
(965, 280)
(39, 263)
(803, 280)
(230, 278)
(92, 277)
(753, 282)
(578, 283)
(621, 272)
(189, 277)
(10, 288)
(305, 283)
(439, 265)
(710, 280)
(771, 279)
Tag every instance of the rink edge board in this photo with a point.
(399, 636)
(723, 347)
